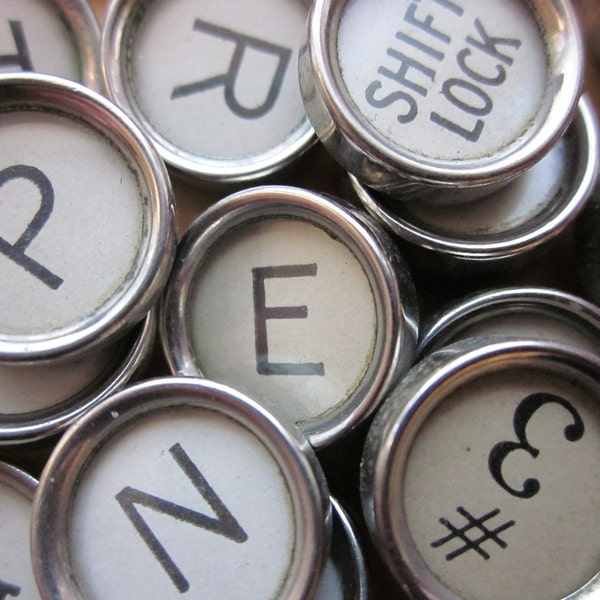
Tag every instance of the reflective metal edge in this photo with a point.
(132, 353)
(86, 31)
(448, 322)
(19, 480)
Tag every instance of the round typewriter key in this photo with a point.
(345, 575)
(508, 226)
(40, 400)
(219, 95)
(16, 495)
(57, 37)
(296, 300)
(530, 312)
(440, 92)
(480, 473)
(87, 236)
(180, 485)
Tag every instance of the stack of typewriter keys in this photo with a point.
(292, 298)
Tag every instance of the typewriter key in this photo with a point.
(345, 576)
(180, 485)
(16, 496)
(295, 299)
(214, 84)
(57, 37)
(452, 93)
(480, 473)
(87, 234)
(511, 225)
(530, 312)
(38, 401)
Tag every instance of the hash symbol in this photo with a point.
(472, 544)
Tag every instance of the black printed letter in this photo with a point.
(223, 524)
(227, 80)
(262, 312)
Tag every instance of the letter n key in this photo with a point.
(16, 251)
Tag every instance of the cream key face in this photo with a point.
(414, 95)
(505, 451)
(219, 93)
(521, 498)
(179, 500)
(60, 37)
(16, 495)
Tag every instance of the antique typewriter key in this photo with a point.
(16, 496)
(589, 18)
(451, 93)
(587, 247)
(56, 37)
(295, 299)
(88, 233)
(511, 225)
(530, 312)
(345, 576)
(219, 95)
(177, 485)
(38, 401)
(480, 473)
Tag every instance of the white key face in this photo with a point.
(185, 500)
(452, 80)
(34, 37)
(508, 465)
(223, 81)
(16, 573)
(73, 221)
(283, 311)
